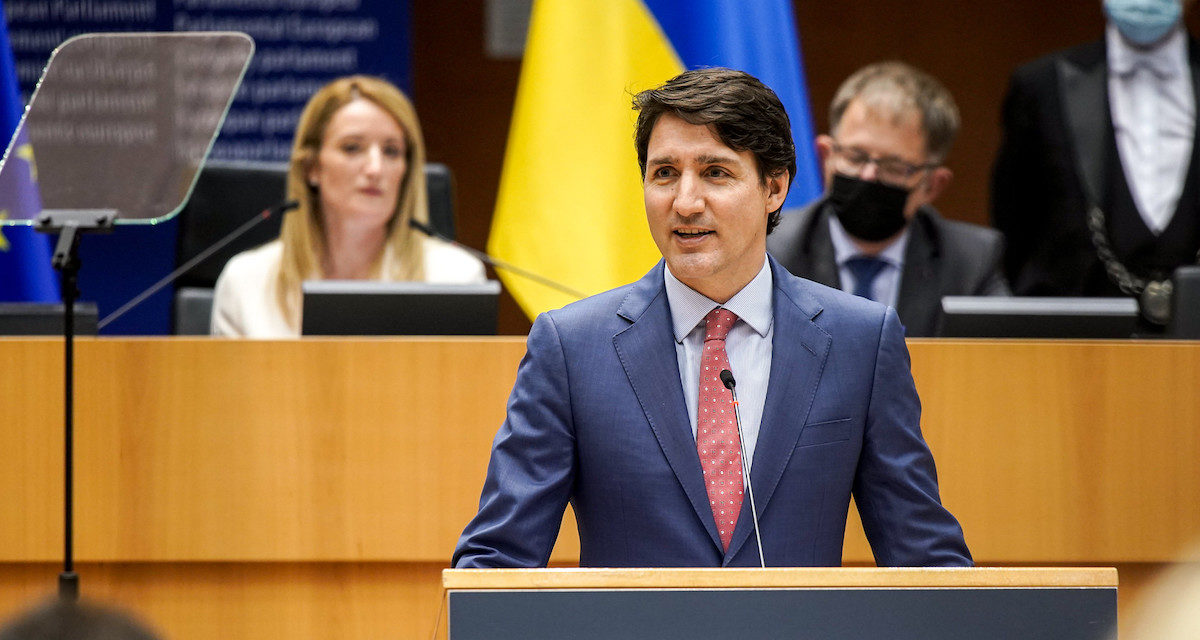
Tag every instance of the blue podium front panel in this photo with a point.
(1059, 613)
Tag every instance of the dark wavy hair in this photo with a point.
(744, 113)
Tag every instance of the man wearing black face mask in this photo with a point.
(875, 233)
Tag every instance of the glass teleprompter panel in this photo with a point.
(121, 122)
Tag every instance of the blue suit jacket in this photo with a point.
(597, 418)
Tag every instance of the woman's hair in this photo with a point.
(303, 232)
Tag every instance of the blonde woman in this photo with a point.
(358, 173)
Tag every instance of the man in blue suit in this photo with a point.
(617, 406)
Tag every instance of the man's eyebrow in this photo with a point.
(701, 159)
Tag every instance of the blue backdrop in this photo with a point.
(301, 44)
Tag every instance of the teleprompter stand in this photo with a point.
(69, 225)
(120, 125)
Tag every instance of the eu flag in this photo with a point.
(25, 271)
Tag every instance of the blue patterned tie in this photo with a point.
(865, 270)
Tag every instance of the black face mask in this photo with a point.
(870, 211)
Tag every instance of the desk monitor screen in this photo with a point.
(1185, 304)
(999, 317)
(45, 318)
(368, 308)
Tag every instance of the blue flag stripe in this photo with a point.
(759, 37)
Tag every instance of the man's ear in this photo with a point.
(939, 179)
(777, 189)
(824, 145)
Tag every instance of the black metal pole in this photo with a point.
(67, 262)
(70, 225)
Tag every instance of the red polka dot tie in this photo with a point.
(716, 432)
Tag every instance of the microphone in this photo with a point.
(278, 209)
(727, 380)
(495, 262)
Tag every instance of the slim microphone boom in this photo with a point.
(278, 209)
(498, 264)
(728, 381)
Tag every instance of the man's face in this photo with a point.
(894, 142)
(706, 207)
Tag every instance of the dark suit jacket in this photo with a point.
(597, 417)
(1057, 157)
(943, 258)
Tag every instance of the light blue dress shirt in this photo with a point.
(886, 288)
(748, 345)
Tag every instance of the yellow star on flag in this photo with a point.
(3, 240)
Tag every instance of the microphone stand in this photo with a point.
(730, 383)
(70, 225)
(265, 214)
(497, 263)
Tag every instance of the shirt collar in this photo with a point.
(1168, 59)
(752, 304)
(844, 248)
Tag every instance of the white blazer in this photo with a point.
(244, 301)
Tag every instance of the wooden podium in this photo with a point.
(749, 604)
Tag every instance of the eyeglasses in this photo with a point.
(852, 161)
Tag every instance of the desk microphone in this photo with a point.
(277, 210)
(495, 262)
(728, 381)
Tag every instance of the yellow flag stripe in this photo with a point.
(570, 200)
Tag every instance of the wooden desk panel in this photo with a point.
(212, 450)
(250, 601)
(325, 461)
(1063, 451)
(225, 450)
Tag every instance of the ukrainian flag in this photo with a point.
(570, 200)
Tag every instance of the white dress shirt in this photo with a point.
(1154, 118)
(748, 346)
(886, 288)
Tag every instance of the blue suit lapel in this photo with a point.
(647, 352)
(798, 353)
